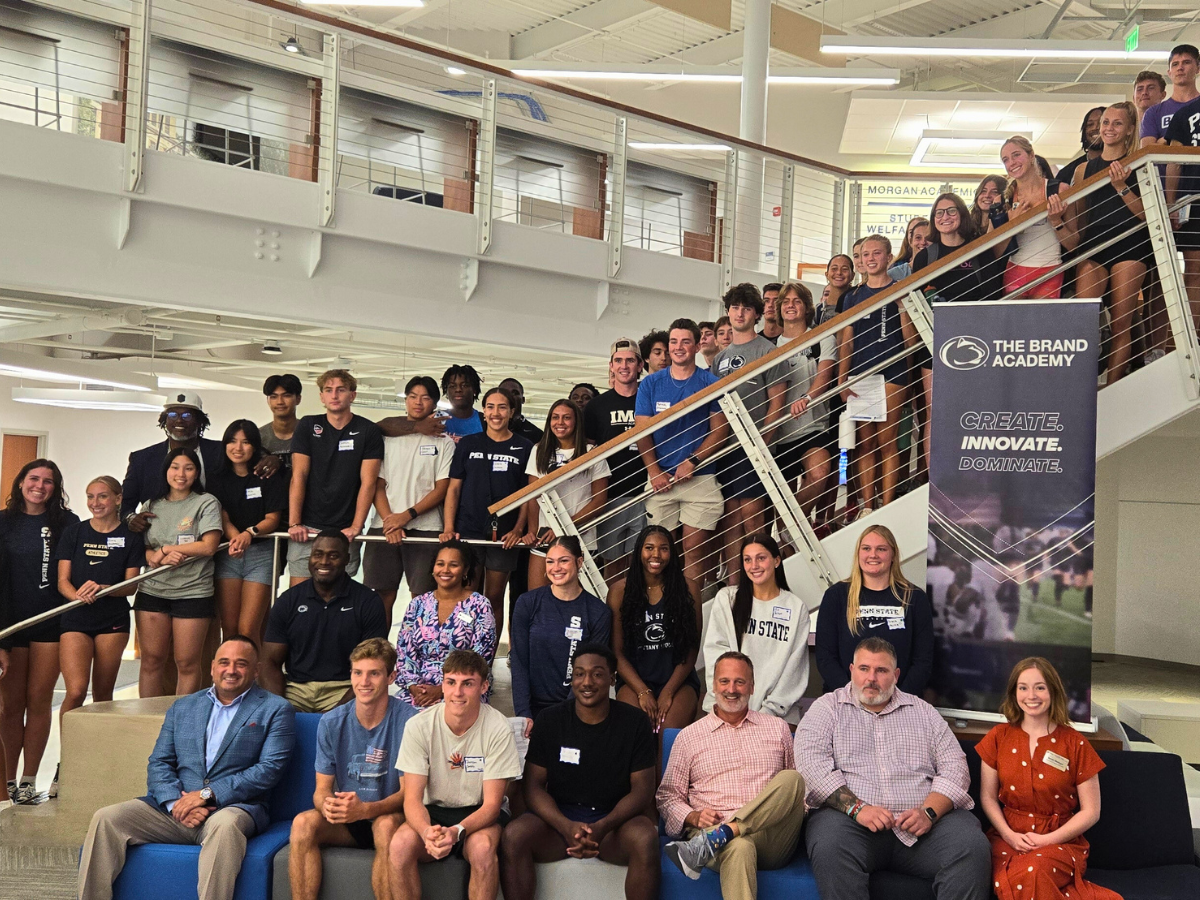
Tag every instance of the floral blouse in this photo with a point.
(423, 644)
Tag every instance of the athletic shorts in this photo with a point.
(108, 615)
(385, 564)
(363, 833)
(697, 503)
(448, 816)
(1188, 235)
(738, 477)
(495, 559)
(254, 565)
(1016, 277)
(617, 534)
(790, 456)
(185, 608)
(299, 552)
(44, 633)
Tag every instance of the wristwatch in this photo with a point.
(929, 811)
(694, 460)
(459, 834)
(412, 512)
(206, 794)
(252, 531)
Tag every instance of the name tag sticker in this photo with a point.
(427, 450)
(185, 539)
(473, 764)
(781, 614)
(574, 634)
(254, 493)
(661, 405)
(569, 755)
(896, 624)
(1053, 759)
(499, 465)
(466, 618)
(347, 444)
(116, 542)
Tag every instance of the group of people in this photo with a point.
(872, 779)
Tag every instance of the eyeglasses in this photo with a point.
(948, 213)
(180, 414)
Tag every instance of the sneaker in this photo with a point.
(691, 856)
(26, 793)
(1155, 355)
(54, 784)
(863, 513)
(12, 790)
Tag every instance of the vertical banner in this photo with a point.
(1012, 481)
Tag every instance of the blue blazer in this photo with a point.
(253, 755)
(144, 478)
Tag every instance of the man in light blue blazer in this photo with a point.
(218, 755)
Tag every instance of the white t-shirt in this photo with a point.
(458, 765)
(576, 491)
(411, 464)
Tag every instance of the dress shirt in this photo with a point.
(718, 766)
(893, 758)
(218, 723)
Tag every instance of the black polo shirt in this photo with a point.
(320, 635)
(335, 467)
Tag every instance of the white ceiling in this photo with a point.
(207, 352)
(879, 122)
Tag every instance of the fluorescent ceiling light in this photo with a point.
(690, 148)
(1025, 49)
(408, 3)
(705, 74)
(35, 374)
(455, 71)
(970, 138)
(187, 383)
(113, 401)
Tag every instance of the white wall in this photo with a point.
(87, 443)
(1147, 602)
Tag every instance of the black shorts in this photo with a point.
(738, 477)
(1188, 235)
(495, 559)
(186, 608)
(47, 632)
(1135, 248)
(446, 816)
(96, 631)
(790, 456)
(362, 833)
(108, 615)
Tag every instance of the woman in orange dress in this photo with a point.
(1040, 790)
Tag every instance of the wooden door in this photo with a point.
(18, 449)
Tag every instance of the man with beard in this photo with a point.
(314, 626)
(730, 788)
(1089, 139)
(887, 783)
(184, 421)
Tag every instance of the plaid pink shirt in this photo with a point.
(718, 766)
(894, 758)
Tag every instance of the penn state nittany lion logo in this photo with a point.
(964, 353)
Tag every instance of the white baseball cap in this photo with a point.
(190, 399)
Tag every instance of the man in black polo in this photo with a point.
(314, 626)
(519, 424)
(335, 463)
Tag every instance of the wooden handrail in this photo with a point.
(929, 273)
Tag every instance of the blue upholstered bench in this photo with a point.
(170, 872)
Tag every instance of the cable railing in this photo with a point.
(887, 458)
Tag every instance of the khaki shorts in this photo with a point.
(697, 503)
(315, 696)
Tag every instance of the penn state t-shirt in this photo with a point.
(490, 471)
(102, 557)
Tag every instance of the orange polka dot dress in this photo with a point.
(1040, 797)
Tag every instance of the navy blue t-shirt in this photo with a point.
(545, 633)
(490, 471)
(32, 574)
(877, 336)
(335, 467)
(103, 558)
(880, 614)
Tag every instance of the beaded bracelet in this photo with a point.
(646, 691)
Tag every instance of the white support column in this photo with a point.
(855, 210)
(327, 147)
(557, 517)
(786, 203)
(729, 220)
(137, 87)
(921, 314)
(1170, 277)
(487, 165)
(616, 198)
(746, 433)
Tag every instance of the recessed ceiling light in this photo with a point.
(271, 347)
(972, 139)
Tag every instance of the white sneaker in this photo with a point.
(1155, 355)
(26, 793)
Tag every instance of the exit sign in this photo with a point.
(1131, 39)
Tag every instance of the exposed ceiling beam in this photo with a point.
(100, 321)
(791, 32)
(578, 26)
(851, 13)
